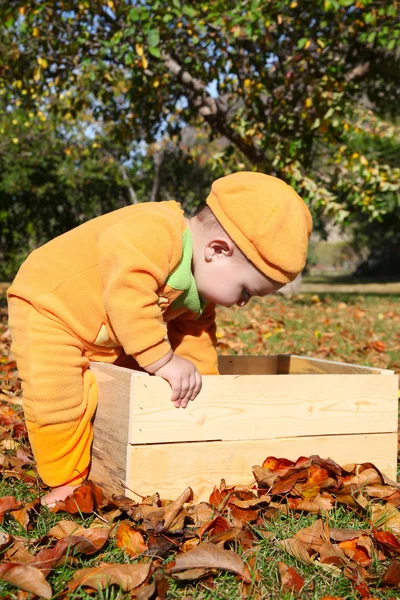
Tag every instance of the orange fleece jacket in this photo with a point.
(106, 281)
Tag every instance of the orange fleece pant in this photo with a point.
(59, 393)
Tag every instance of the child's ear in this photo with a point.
(217, 248)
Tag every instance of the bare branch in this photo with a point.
(131, 191)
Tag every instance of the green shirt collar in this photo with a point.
(182, 279)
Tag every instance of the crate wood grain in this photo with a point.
(277, 405)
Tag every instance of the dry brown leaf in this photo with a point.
(127, 577)
(94, 540)
(387, 516)
(290, 579)
(332, 555)
(391, 577)
(314, 536)
(5, 540)
(323, 502)
(26, 578)
(166, 515)
(208, 556)
(23, 515)
(298, 549)
(366, 477)
(341, 535)
(202, 513)
(8, 503)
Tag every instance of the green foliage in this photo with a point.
(306, 90)
(50, 181)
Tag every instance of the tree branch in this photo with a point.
(131, 191)
(213, 110)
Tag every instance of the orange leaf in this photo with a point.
(8, 503)
(84, 499)
(130, 540)
(317, 476)
(277, 464)
(388, 540)
(290, 579)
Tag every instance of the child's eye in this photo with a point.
(245, 294)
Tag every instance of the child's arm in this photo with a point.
(194, 339)
(181, 374)
(135, 258)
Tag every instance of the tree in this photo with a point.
(291, 85)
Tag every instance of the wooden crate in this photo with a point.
(284, 405)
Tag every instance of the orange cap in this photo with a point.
(266, 219)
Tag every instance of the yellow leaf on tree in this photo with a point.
(145, 62)
(308, 102)
(35, 32)
(42, 62)
(247, 83)
(15, 140)
(139, 49)
(36, 74)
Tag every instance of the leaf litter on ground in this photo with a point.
(163, 540)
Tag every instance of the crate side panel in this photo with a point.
(264, 406)
(248, 365)
(291, 364)
(170, 468)
(110, 426)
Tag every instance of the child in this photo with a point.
(142, 281)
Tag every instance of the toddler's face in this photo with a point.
(229, 280)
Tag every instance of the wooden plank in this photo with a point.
(170, 468)
(110, 426)
(292, 364)
(251, 407)
(248, 365)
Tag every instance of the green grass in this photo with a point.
(332, 326)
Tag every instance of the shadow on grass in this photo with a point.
(349, 279)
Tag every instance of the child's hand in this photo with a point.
(184, 379)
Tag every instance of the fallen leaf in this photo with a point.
(392, 574)
(341, 535)
(165, 516)
(89, 543)
(317, 477)
(216, 525)
(298, 549)
(388, 540)
(290, 579)
(130, 540)
(386, 515)
(26, 578)
(127, 577)
(208, 556)
(5, 539)
(8, 503)
(83, 500)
